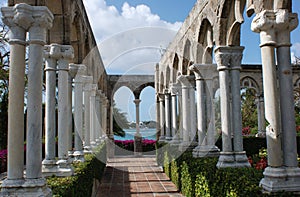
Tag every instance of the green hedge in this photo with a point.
(82, 182)
(200, 177)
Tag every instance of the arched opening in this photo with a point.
(186, 58)
(251, 104)
(148, 113)
(175, 68)
(123, 112)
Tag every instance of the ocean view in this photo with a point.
(149, 133)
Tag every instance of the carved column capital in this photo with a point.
(204, 71)
(222, 57)
(73, 70)
(184, 80)
(18, 15)
(174, 89)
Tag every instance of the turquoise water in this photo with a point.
(149, 134)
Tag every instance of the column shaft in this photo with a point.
(236, 110)
(167, 116)
(192, 110)
(225, 110)
(271, 100)
(50, 123)
(34, 104)
(70, 114)
(162, 118)
(15, 142)
(174, 116)
(285, 73)
(63, 119)
(78, 112)
(201, 116)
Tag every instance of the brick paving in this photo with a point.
(131, 176)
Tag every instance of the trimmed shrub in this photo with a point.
(82, 182)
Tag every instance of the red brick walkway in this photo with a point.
(130, 176)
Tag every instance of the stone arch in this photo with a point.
(186, 57)
(167, 79)
(230, 22)
(137, 92)
(161, 84)
(175, 68)
(249, 82)
(205, 39)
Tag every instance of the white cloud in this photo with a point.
(130, 37)
(295, 51)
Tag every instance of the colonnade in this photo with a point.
(90, 105)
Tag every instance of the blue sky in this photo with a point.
(122, 31)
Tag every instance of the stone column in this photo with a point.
(66, 54)
(15, 143)
(168, 115)
(88, 80)
(241, 159)
(93, 115)
(158, 129)
(192, 102)
(137, 136)
(175, 134)
(162, 118)
(49, 163)
(37, 39)
(206, 126)
(261, 123)
(274, 27)
(98, 118)
(36, 20)
(180, 114)
(73, 69)
(229, 63)
(186, 120)
(78, 113)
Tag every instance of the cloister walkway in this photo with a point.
(132, 176)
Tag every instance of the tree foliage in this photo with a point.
(4, 73)
(249, 108)
(120, 121)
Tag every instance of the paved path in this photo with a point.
(130, 176)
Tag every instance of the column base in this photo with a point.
(64, 168)
(87, 150)
(78, 156)
(70, 156)
(206, 151)
(162, 139)
(233, 160)
(168, 138)
(49, 168)
(186, 146)
(241, 159)
(281, 179)
(138, 147)
(261, 134)
(25, 187)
